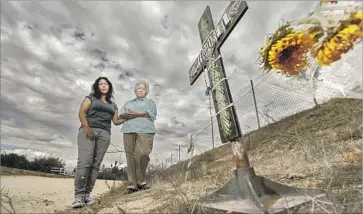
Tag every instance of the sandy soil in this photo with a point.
(32, 194)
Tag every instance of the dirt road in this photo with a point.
(32, 194)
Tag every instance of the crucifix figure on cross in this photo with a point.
(246, 192)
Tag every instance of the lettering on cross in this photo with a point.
(209, 59)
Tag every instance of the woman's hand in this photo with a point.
(131, 114)
(134, 114)
(117, 120)
(88, 132)
(127, 115)
(82, 114)
(124, 115)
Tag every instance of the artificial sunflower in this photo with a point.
(339, 40)
(279, 33)
(328, 1)
(286, 50)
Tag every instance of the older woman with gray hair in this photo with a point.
(138, 136)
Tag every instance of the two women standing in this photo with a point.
(95, 114)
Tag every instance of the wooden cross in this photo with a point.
(212, 38)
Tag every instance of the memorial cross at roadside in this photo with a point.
(212, 38)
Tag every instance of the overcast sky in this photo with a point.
(51, 53)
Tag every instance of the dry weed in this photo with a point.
(5, 197)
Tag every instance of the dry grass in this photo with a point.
(319, 148)
(6, 202)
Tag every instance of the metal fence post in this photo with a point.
(179, 153)
(254, 100)
(316, 102)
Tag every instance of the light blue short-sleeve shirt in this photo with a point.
(142, 125)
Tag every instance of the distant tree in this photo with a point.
(44, 164)
(113, 173)
(14, 160)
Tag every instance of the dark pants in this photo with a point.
(90, 157)
(137, 148)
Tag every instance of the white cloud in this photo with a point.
(30, 154)
(52, 52)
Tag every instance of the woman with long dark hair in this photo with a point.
(95, 114)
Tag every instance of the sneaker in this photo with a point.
(89, 201)
(144, 187)
(132, 190)
(78, 202)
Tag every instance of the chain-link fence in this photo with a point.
(271, 97)
(262, 102)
